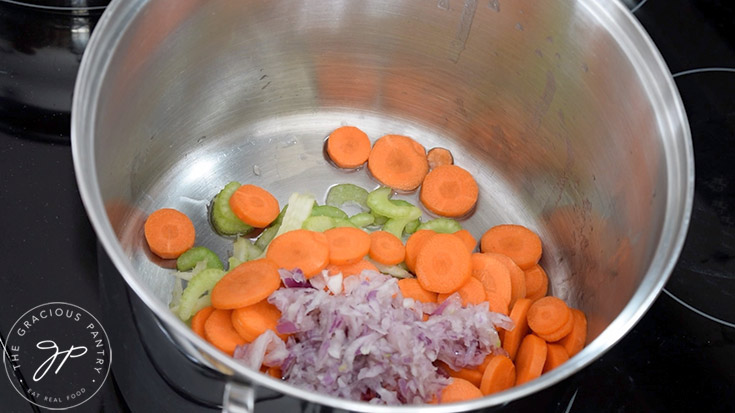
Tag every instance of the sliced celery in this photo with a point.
(342, 194)
(224, 221)
(395, 226)
(318, 223)
(299, 208)
(398, 271)
(339, 222)
(198, 285)
(362, 219)
(267, 236)
(328, 211)
(380, 204)
(191, 257)
(412, 226)
(442, 225)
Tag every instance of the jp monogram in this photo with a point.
(57, 355)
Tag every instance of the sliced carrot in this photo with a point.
(521, 244)
(537, 282)
(556, 355)
(460, 390)
(246, 284)
(169, 233)
(352, 269)
(254, 320)
(471, 375)
(493, 274)
(439, 156)
(254, 206)
(517, 279)
(485, 363)
(574, 341)
(512, 339)
(398, 162)
(219, 331)
(496, 302)
(471, 292)
(386, 248)
(548, 314)
(275, 372)
(530, 359)
(197, 322)
(410, 288)
(562, 332)
(302, 249)
(443, 264)
(348, 147)
(468, 239)
(347, 245)
(499, 375)
(413, 246)
(449, 191)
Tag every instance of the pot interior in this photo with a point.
(550, 105)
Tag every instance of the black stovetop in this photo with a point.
(680, 356)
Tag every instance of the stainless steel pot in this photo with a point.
(564, 112)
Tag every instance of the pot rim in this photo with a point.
(667, 107)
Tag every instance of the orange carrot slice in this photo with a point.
(300, 248)
(254, 320)
(386, 248)
(438, 157)
(219, 331)
(496, 302)
(499, 375)
(443, 264)
(574, 341)
(562, 332)
(197, 322)
(413, 246)
(512, 339)
(530, 359)
(254, 206)
(471, 292)
(410, 288)
(347, 245)
(398, 162)
(556, 355)
(352, 269)
(169, 233)
(537, 282)
(246, 284)
(547, 315)
(521, 244)
(468, 239)
(348, 147)
(449, 191)
(460, 390)
(493, 274)
(471, 375)
(517, 278)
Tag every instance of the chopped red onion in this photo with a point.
(369, 343)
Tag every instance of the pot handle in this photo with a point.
(238, 398)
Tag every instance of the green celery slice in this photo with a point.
(319, 223)
(363, 219)
(342, 194)
(328, 211)
(380, 204)
(441, 225)
(198, 285)
(192, 256)
(224, 221)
